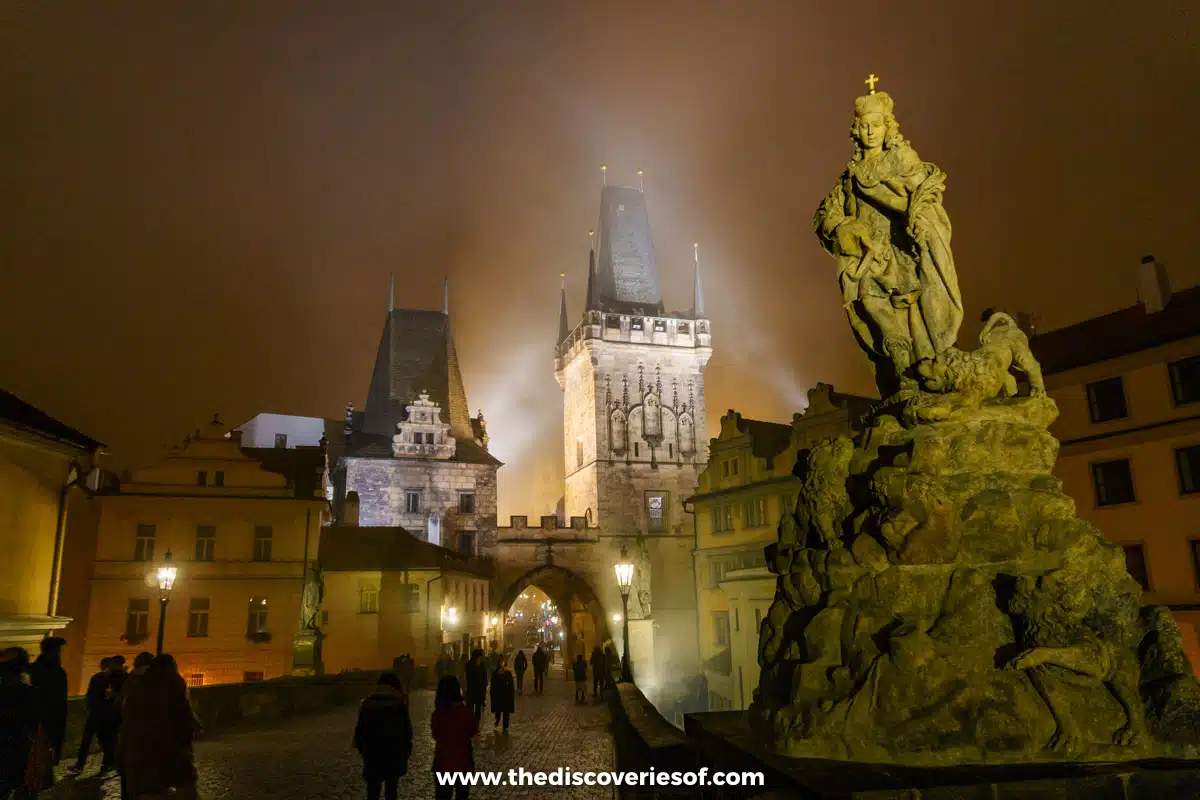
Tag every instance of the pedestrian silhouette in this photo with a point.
(453, 726)
(504, 693)
(580, 669)
(383, 737)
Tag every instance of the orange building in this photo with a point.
(1128, 391)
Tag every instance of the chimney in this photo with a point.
(1154, 290)
(350, 510)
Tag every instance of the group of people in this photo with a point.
(142, 719)
(603, 662)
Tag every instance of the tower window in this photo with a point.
(281, 441)
(670, 451)
(412, 502)
(683, 328)
(579, 452)
(656, 507)
(637, 324)
(660, 326)
(636, 454)
(612, 321)
(466, 503)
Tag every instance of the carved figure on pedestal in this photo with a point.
(1079, 627)
(985, 373)
(825, 488)
(885, 224)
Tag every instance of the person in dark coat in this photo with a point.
(50, 679)
(540, 664)
(384, 737)
(520, 664)
(612, 666)
(453, 726)
(19, 719)
(408, 669)
(579, 668)
(445, 665)
(599, 665)
(154, 751)
(97, 707)
(504, 692)
(477, 682)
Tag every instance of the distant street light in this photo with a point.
(166, 582)
(616, 617)
(624, 570)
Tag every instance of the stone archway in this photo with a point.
(568, 590)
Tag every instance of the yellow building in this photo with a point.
(240, 526)
(747, 486)
(1128, 391)
(387, 593)
(41, 460)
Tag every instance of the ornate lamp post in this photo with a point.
(624, 569)
(166, 582)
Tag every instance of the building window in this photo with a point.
(137, 619)
(412, 502)
(1185, 380)
(206, 542)
(737, 619)
(670, 451)
(721, 627)
(758, 619)
(256, 619)
(429, 438)
(722, 519)
(1135, 562)
(412, 597)
(466, 543)
(656, 511)
(143, 545)
(262, 542)
(251, 677)
(218, 478)
(755, 513)
(1187, 462)
(198, 616)
(368, 600)
(660, 326)
(612, 321)
(202, 478)
(636, 449)
(683, 328)
(1114, 482)
(196, 680)
(1106, 400)
(636, 324)
(724, 469)
(281, 441)
(466, 503)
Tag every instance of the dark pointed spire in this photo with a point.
(593, 302)
(698, 292)
(564, 329)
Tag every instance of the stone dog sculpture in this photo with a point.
(985, 373)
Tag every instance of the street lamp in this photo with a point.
(166, 582)
(624, 569)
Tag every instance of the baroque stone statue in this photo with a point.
(884, 223)
(938, 600)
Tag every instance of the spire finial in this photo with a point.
(641, 184)
(591, 240)
(604, 174)
(391, 294)
(446, 297)
(564, 327)
(698, 291)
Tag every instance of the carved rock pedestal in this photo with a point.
(940, 603)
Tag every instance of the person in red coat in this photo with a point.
(453, 725)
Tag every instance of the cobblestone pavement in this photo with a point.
(310, 758)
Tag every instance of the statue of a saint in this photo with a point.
(310, 600)
(885, 224)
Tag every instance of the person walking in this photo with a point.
(580, 669)
(477, 683)
(504, 693)
(110, 721)
(19, 720)
(453, 726)
(154, 749)
(50, 680)
(141, 662)
(408, 669)
(95, 707)
(612, 666)
(540, 665)
(383, 737)
(599, 664)
(520, 664)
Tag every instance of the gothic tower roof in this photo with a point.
(564, 326)
(416, 354)
(626, 274)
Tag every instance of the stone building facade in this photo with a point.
(415, 459)
(632, 376)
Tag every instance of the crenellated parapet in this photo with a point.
(666, 331)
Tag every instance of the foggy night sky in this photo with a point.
(200, 204)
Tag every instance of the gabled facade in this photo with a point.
(242, 525)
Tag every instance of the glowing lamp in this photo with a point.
(616, 617)
(166, 576)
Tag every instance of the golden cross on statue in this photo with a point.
(871, 81)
